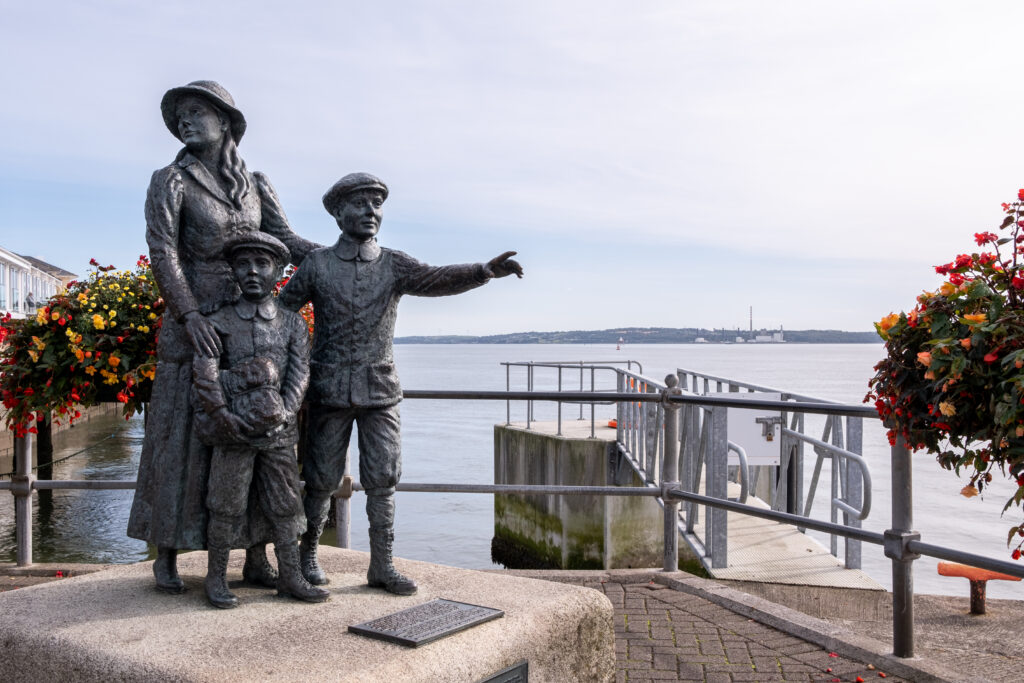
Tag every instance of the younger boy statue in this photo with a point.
(247, 400)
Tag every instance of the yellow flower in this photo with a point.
(41, 316)
(144, 329)
(976, 318)
(40, 344)
(947, 288)
(151, 316)
(98, 322)
(90, 370)
(34, 355)
(947, 408)
(54, 315)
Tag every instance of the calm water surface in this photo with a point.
(452, 441)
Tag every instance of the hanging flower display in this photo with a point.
(952, 381)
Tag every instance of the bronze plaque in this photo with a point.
(520, 673)
(426, 623)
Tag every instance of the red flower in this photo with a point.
(957, 279)
(991, 357)
(1017, 282)
(1015, 554)
(964, 261)
(944, 269)
(983, 237)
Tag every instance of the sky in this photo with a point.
(654, 163)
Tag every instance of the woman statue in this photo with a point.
(193, 207)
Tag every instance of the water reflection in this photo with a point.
(83, 526)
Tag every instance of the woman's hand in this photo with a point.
(202, 334)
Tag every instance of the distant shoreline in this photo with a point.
(653, 335)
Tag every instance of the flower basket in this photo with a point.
(952, 381)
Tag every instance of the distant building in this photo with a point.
(26, 283)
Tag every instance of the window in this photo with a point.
(3, 286)
(15, 289)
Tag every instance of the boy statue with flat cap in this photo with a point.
(247, 398)
(355, 287)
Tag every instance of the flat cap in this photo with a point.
(257, 240)
(353, 182)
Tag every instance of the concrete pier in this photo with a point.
(570, 532)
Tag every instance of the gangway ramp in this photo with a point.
(771, 552)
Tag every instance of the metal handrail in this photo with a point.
(581, 365)
(744, 474)
(850, 479)
(865, 508)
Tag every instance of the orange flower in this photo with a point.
(947, 288)
(976, 318)
(965, 342)
(924, 358)
(888, 321)
(113, 361)
(969, 491)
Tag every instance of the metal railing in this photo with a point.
(900, 543)
(563, 367)
(850, 477)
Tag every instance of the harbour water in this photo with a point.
(452, 441)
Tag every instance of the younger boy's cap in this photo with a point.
(257, 240)
(353, 182)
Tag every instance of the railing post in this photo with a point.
(343, 511)
(854, 489)
(23, 498)
(896, 540)
(559, 403)
(670, 473)
(716, 519)
(620, 410)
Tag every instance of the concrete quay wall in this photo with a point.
(539, 531)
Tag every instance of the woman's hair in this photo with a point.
(232, 169)
(231, 166)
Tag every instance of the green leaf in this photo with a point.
(1013, 532)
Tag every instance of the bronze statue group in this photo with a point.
(219, 469)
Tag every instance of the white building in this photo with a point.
(27, 282)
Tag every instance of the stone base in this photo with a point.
(115, 625)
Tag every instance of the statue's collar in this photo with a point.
(347, 249)
(195, 168)
(247, 310)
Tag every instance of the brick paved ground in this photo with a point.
(666, 635)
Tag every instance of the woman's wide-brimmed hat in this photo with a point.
(209, 90)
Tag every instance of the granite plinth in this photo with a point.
(114, 625)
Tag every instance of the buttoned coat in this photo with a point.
(355, 289)
(188, 220)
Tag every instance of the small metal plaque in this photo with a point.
(427, 622)
(520, 673)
